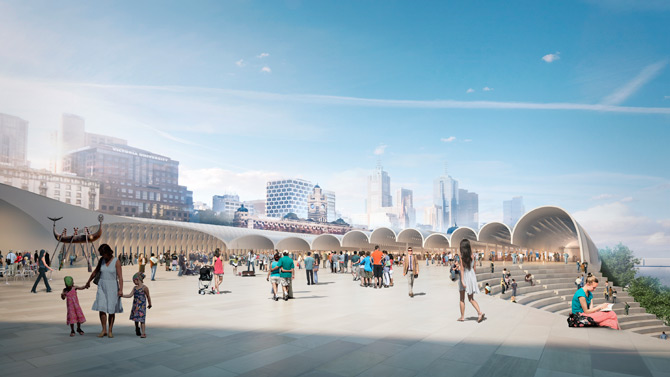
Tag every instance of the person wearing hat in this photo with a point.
(43, 268)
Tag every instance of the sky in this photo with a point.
(564, 103)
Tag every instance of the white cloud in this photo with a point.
(666, 97)
(467, 140)
(609, 224)
(487, 89)
(266, 69)
(551, 57)
(205, 183)
(240, 63)
(647, 74)
(380, 149)
(448, 139)
(375, 102)
(350, 186)
(470, 90)
(263, 55)
(602, 197)
(627, 199)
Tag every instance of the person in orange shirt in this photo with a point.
(377, 267)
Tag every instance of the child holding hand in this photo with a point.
(140, 294)
(74, 312)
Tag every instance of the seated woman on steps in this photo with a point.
(581, 303)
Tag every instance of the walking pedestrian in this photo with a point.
(309, 268)
(154, 266)
(43, 267)
(411, 267)
(468, 281)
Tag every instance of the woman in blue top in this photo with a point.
(581, 303)
(273, 273)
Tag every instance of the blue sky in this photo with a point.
(565, 103)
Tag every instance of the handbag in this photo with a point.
(578, 320)
(416, 276)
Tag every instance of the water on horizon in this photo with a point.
(662, 273)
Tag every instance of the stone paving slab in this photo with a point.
(331, 329)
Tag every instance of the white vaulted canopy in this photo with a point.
(26, 226)
(293, 243)
(462, 233)
(411, 237)
(436, 241)
(326, 242)
(383, 236)
(495, 232)
(554, 229)
(355, 239)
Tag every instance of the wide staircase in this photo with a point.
(554, 288)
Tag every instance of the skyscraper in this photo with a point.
(513, 210)
(330, 207)
(286, 196)
(379, 190)
(379, 204)
(13, 141)
(445, 197)
(406, 211)
(468, 209)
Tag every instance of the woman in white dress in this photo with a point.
(468, 280)
(110, 289)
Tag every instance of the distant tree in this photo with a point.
(291, 216)
(618, 264)
(209, 217)
(652, 296)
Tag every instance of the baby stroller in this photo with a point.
(205, 280)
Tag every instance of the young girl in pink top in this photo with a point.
(74, 313)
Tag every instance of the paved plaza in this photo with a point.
(334, 328)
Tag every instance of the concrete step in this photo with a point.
(643, 323)
(559, 306)
(635, 317)
(654, 330)
(530, 298)
(540, 304)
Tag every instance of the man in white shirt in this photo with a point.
(11, 258)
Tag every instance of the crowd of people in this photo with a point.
(371, 269)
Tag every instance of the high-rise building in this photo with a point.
(331, 214)
(73, 136)
(226, 205)
(286, 196)
(513, 210)
(379, 203)
(133, 182)
(379, 190)
(468, 209)
(317, 205)
(406, 211)
(430, 216)
(13, 141)
(445, 198)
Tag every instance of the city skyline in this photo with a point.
(575, 116)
